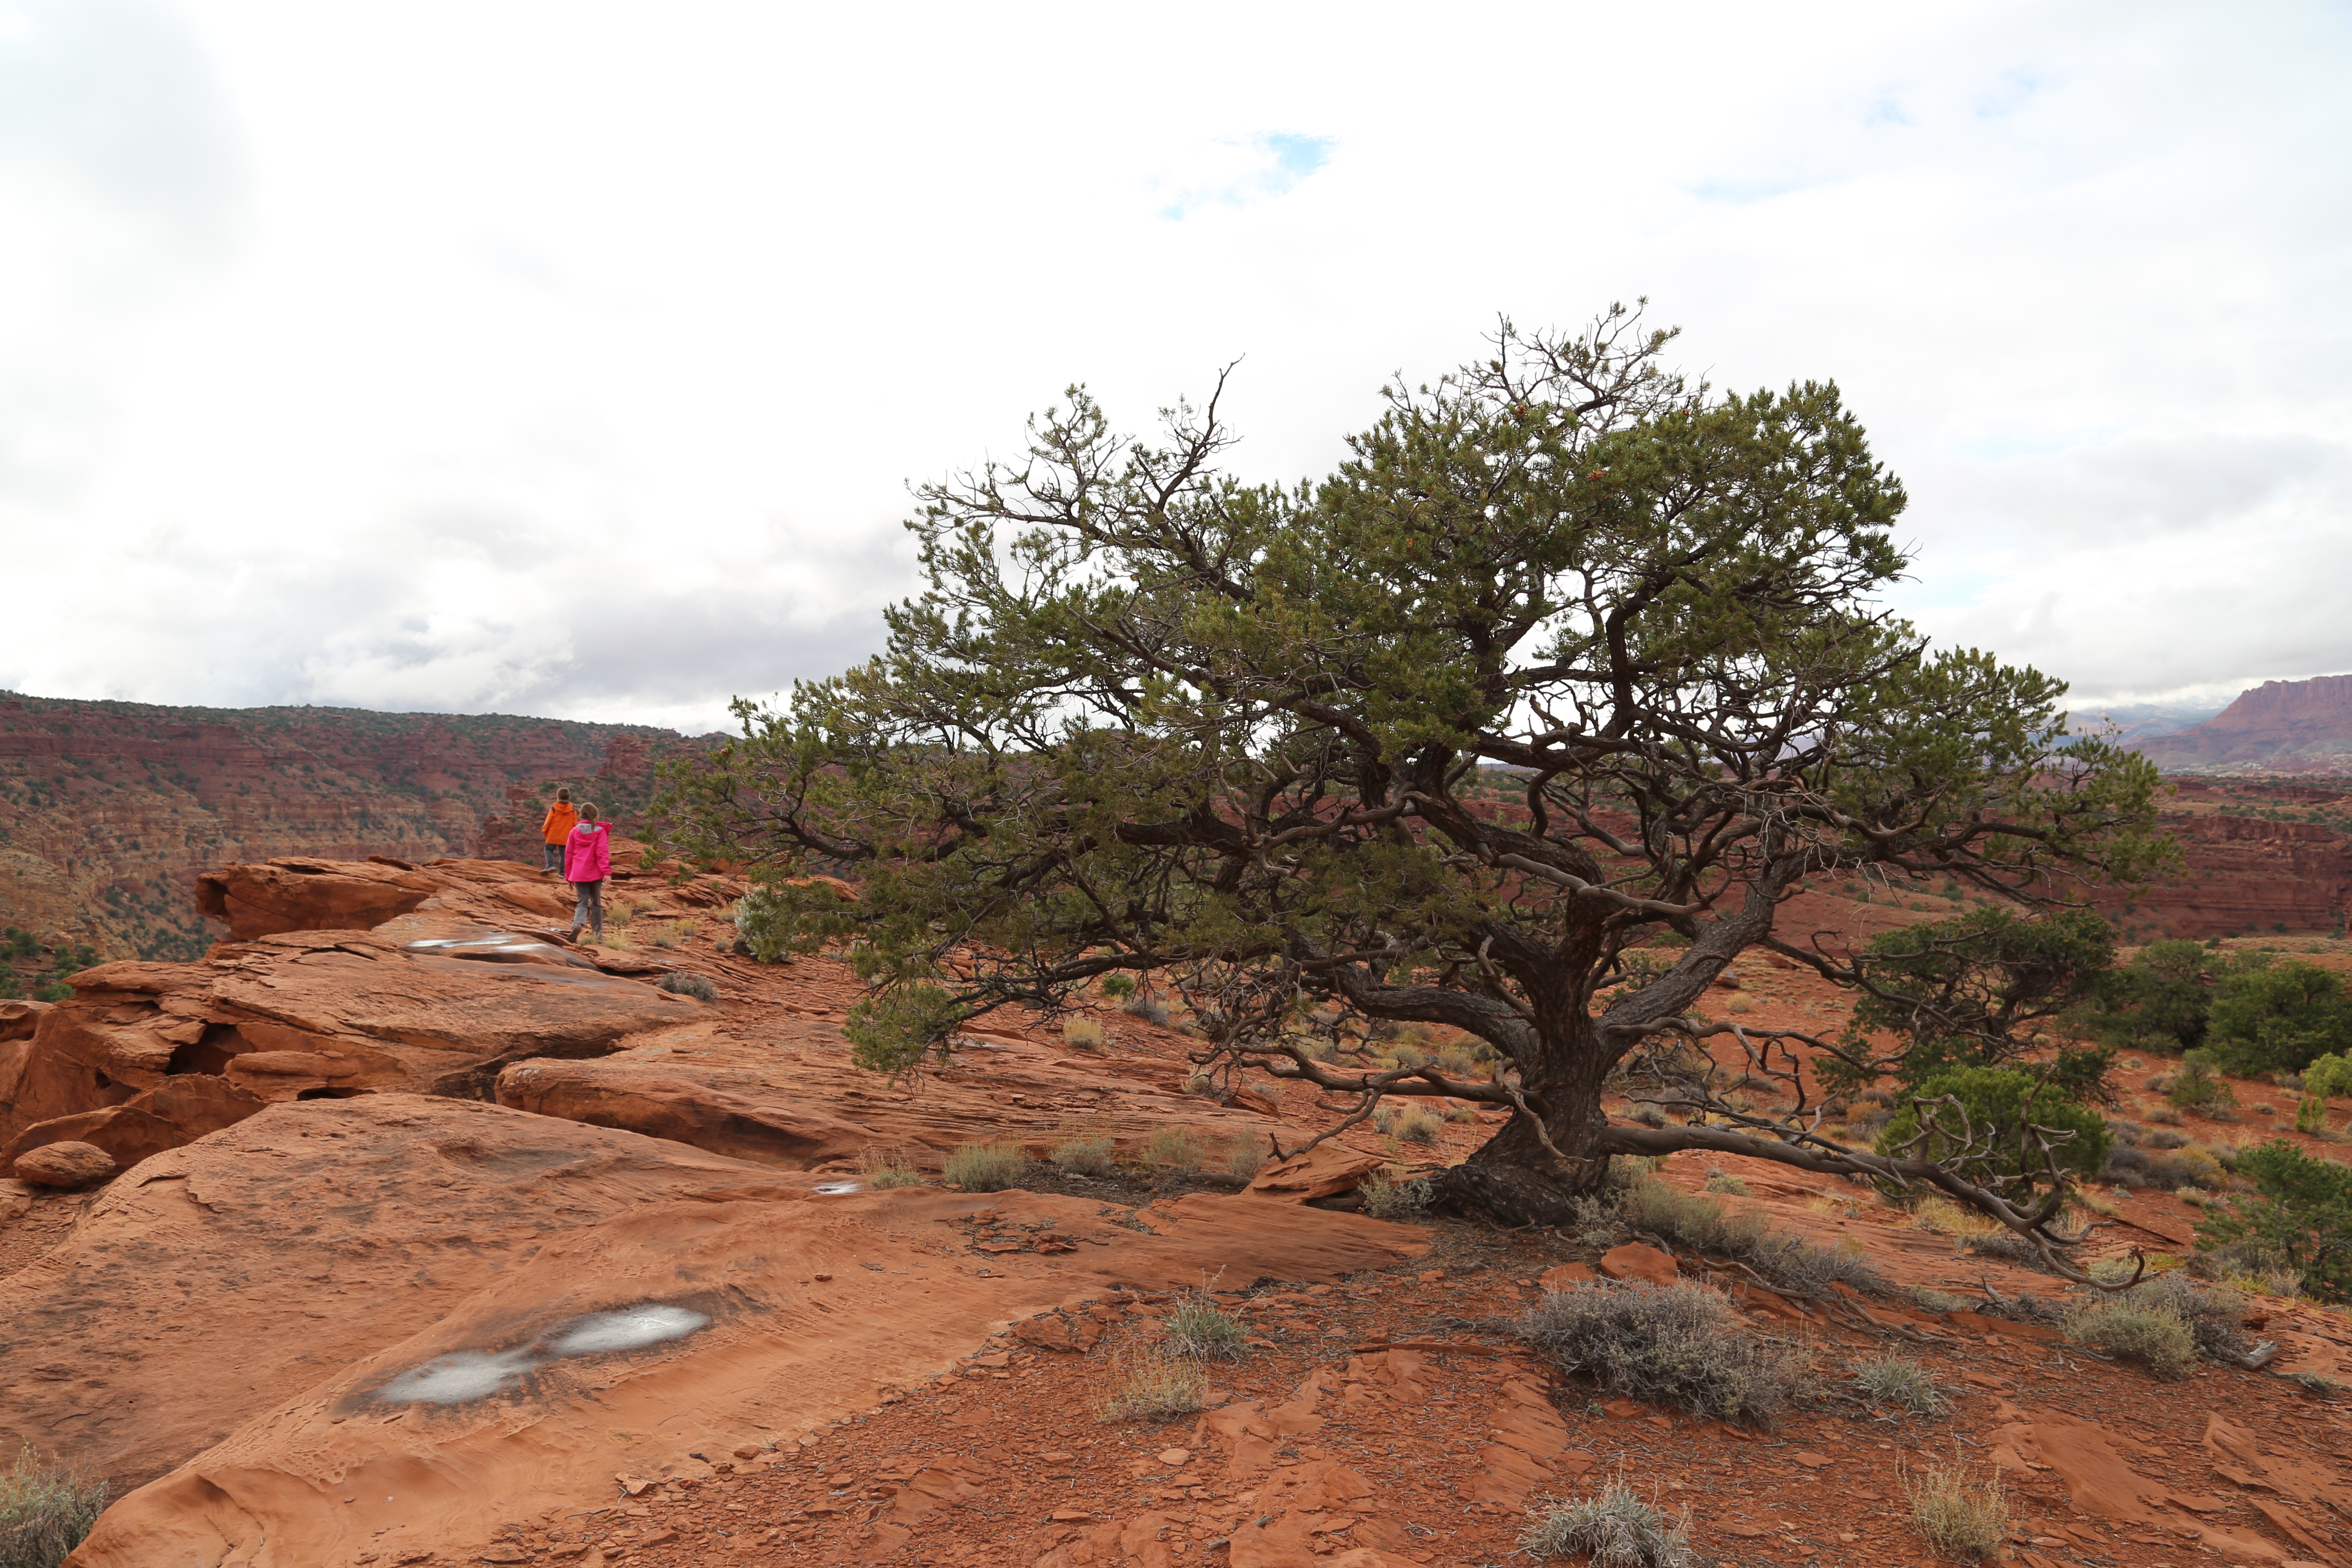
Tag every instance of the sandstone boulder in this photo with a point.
(67, 1164)
(312, 1014)
(296, 893)
(177, 1110)
(1323, 1171)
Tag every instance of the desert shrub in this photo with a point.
(1454, 1061)
(2326, 1079)
(984, 1167)
(2268, 1015)
(2127, 1133)
(1615, 1528)
(47, 1508)
(1200, 1329)
(1961, 1516)
(1789, 1262)
(2165, 1114)
(1082, 1033)
(881, 1169)
(1894, 1380)
(1086, 1156)
(1151, 1009)
(664, 936)
(2007, 1104)
(2150, 1332)
(2299, 1217)
(1682, 1346)
(1408, 1056)
(698, 986)
(1175, 1150)
(1647, 1115)
(2127, 1165)
(1387, 1198)
(2164, 1138)
(1243, 1158)
(1417, 1126)
(1119, 987)
(1466, 1113)
(1729, 1185)
(2197, 1088)
(2189, 1167)
(1150, 1388)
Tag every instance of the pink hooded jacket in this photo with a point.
(588, 853)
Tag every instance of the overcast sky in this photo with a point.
(573, 358)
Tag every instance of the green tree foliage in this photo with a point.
(2328, 1079)
(2157, 1002)
(1970, 991)
(2269, 1016)
(2000, 1128)
(2197, 1087)
(1149, 717)
(2300, 1213)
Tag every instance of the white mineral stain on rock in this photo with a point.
(462, 1375)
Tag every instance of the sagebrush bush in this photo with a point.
(1682, 1345)
(1388, 1198)
(1725, 1184)
(47, 1508)
(1959, 1515)
(1086, 1156)
(1150, 1388)
(698, 986)
(1082, 1033)
(1243, 1158)
(1151, 1009)
(1614, 1527)
(1200, 1329)
(2150, 1332)
(985, 1167)
(1895, 1379)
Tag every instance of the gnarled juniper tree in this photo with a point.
(1146, 717)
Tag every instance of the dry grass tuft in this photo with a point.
(1150, 1388)
(1200, 1330)
(1172, 1149)
(881, 1169)
(1961, 1516)
(1082, 1033)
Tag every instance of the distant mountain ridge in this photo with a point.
(2278, 727)
(108, 810)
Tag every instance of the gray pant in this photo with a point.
(554, 857)
(589, 908)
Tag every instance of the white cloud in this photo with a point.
(573, 358)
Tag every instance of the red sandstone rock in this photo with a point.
(1564, 1276)
(177, 1110)
(299, 894)
(317, 1014)
(771, 1129)
(1643, 1264)
(65, 1164)
(2278, 727)
(660, 1300)
(1325, 1171)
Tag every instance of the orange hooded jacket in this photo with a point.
(558, 826)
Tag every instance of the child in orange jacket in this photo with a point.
(556, 829)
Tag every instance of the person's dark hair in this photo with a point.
(563, 795)
(588, 811)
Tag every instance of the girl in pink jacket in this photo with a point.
(587, 861)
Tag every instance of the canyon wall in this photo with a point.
(2278, 727)
(108, 810)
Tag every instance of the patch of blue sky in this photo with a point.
(1276, 163)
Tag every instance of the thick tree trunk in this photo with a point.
(1516, 1180)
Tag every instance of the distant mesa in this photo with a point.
(2278, 727)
